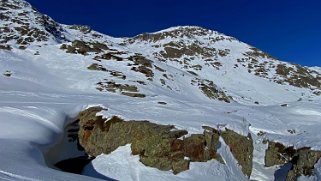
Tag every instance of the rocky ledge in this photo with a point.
(160, 146)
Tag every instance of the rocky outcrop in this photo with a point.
(81, 28)
(211, 90)
(124, 89)
(82, 47)
(302, 160)
(241, 148)
(156, 145)
(278, 154)
(303, 163)
(159, 146)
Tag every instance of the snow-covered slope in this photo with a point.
(186, 76)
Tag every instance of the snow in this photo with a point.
(260, 172)
(46, 92)
(121, 165)
(37, 119)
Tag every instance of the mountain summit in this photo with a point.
(227, 109)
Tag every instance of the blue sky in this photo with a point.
(287, 29)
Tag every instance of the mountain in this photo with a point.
(185, 76)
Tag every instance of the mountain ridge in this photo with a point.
(188, 48)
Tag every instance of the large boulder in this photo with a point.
(159, 146)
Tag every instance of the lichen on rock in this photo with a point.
(277, 154)
(241, 148)
(155, 144)
(158, 146)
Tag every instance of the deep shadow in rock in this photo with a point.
(77, 163)
(77, 159)
(74, 165)
(281, 174)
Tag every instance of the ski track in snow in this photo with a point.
(11, 176)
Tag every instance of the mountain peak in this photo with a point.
(13, 4)
(180, 32)
(196, 49)
(23, 25)
(186, 28)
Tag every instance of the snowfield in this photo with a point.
(48, 88)
(32, 123)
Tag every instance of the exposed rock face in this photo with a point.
(84, 29)
(88, 120)
(211, 90)
(124, 89)
(181, 32)
(278, 154)
(303, 163)
(158, 145)
(303, 159)
(298, 76)
(24, 25)
(173, 50)
(241, 148)
(81, 47)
